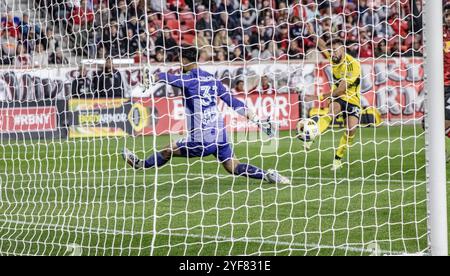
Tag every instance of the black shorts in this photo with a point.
(348, 109)
(447, 103)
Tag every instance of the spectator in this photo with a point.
(227, 13)
(108, 83)
(415, 50)
(49, 41)
(135, 25)
(399, 25)
(166, 42)
(111, 39)
(57, 57)
(245, 23)
(24, 26)
(362, 7)
(159, 56)
(204, 56)
(9, 25)
(8, 44)
(264, 87)
(239, 87)
(82, 16)
(237, 54)
(247, 47)
(220, 56)
(153, 25)
(222, 41)
(295, 51)
(271, 51)
(120, 14)
(204, 22)
(130, 45)
(101, 52)
(282, 37)
(137, 9)
(248, 19)
(382, 50)
(395, 50)
(102, 15)
(203, 43)
(370, 20)
(30, 42)
(23, 58)
(146, 43)
(81, 85)
(40, 56)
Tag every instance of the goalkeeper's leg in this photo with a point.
(234, 166)
(157, 159)
(345, 141)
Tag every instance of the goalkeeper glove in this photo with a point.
(266, 126)
(148, 79)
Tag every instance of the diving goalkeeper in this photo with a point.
(345, 95)
(206, 129)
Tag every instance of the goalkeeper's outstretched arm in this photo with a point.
(238, 106)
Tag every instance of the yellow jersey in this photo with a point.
(350, 71)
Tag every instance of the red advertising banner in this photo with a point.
(28, 119)
(167, 115)
(283, 109)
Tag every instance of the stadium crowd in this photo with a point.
(234, 30)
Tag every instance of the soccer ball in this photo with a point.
(307, 130)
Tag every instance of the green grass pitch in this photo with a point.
(77, 196)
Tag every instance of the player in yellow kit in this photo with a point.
(345, 97)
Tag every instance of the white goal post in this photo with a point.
(436, 168)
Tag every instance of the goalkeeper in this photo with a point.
(345, 95)
(206, 130)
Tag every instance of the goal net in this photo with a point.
(71, 99)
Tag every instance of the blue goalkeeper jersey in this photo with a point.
(201, 89)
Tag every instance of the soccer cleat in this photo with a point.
(337, 164)
(272, 176)
(132, 159)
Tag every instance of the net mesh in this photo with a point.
(71, 98)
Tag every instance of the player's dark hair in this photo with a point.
(335, 41)
(447, 6)
(189, 52)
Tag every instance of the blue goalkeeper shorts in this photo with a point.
(222, 151)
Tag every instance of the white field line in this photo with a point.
(132, 176)
(291, 245)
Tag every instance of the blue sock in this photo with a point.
(249, 171)
(151, 162)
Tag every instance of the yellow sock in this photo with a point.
(344, 143)
(323, 123)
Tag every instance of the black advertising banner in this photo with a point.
(105, 117)
(33, 119)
